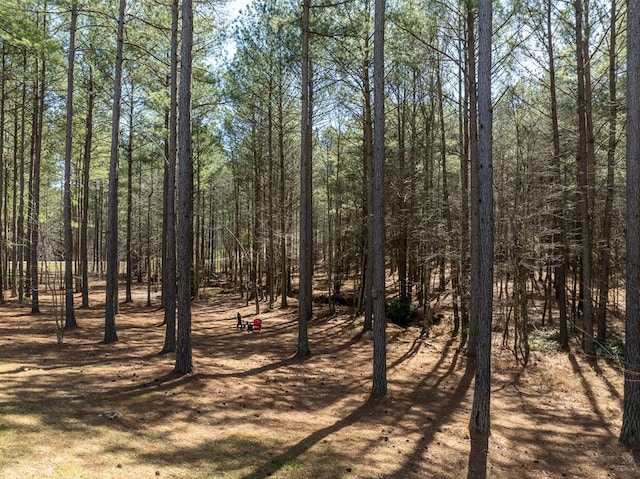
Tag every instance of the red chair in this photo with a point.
(257, 324)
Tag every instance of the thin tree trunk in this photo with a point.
(283, 207)
(111, 304)
(165, 189)
(401, 226)
(257, 214)
(84, 246)
(463, 132)
(129, 268)
(35, 210)
(70, 317)
(475, 199)
(14, 224)
(305, 306)
(169, 282)
(455, 277)
(150, 277)
(559, 222)
(365, 303)
(584, 188)
(3, 83)
(184, 364)
(32, 153)
(377, 247)
(605, 258)
(195, 281)
(271, 241)
(20, 219)
(330, 256)
(338, 253)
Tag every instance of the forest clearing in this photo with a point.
(85, 409)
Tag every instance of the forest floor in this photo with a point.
(250, 410)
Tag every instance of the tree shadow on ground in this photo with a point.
(276, 463)
(263, 412)
(589, 393)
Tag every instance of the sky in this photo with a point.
(234, 7)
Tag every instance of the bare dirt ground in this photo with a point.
(250, 410)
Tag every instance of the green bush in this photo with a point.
(611, 349)
(400, 312)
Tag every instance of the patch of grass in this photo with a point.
(544, 340)
(66, 471)
(613, 348)
(358, 323)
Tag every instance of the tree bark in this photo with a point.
(605, 250)
(559, 222)
(84, 253)
(364, 303)
(20, 244)
(271, 229)
(184, 364)
(584, 188)
(377, 247)
(463, 132)
(446, 203)
(475, 198)
(479, 425)
(630, 430)
(111, 304)
(401, 227)
(283, 207)
(3, 88)
(169, 282)
(35, 194)
(70, 317)
(305, 306)
(14, 208)
(129, 267)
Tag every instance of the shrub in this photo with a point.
(611, 349)
(400, 312)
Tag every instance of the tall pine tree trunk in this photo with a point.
(630, 431)
(446, 203)
(377, 246)
(364, 302)
(14, 203)
(20, 244)
(169, 282)
(475, 199)
(559, 222)
(463, 133)
(305, 306)
(584, 188)
(3, 203)
(271, 266)
(479, 424)
(35, 193)
(401, 203)
(70, 317)
(111, 304)
(129, 267)
(605, 250)
(184, 364)
(84, 231)
(283, 207)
